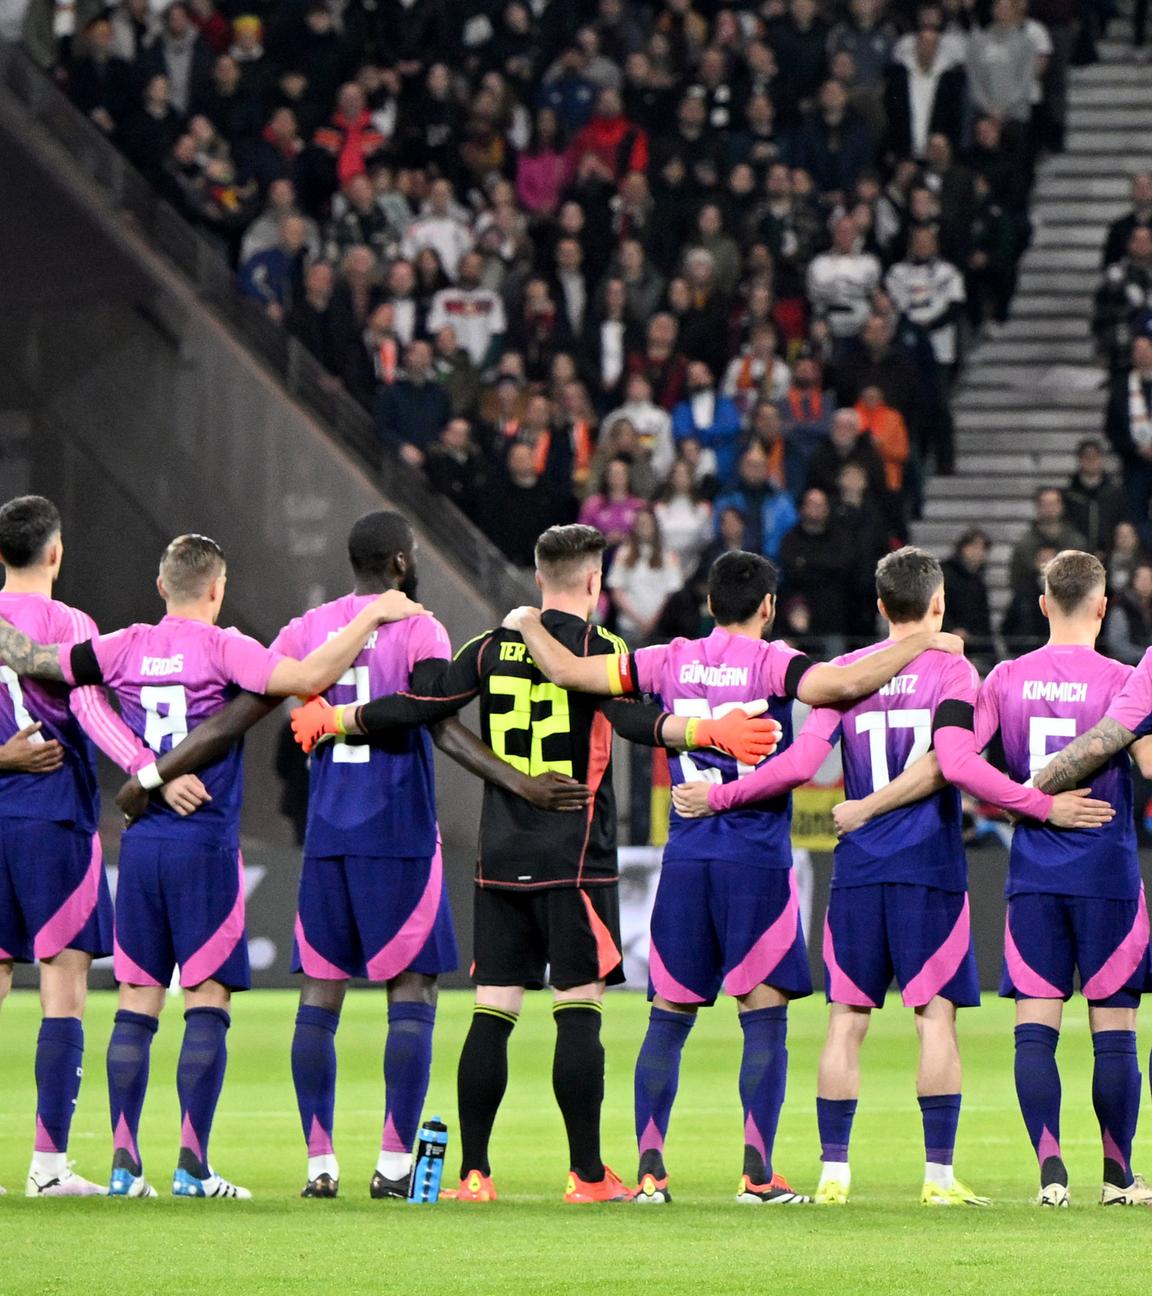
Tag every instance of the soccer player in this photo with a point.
(54, 901)
(180, 896)
(372, 901)
(1075, 899)
(546, 902)
(899, 900)
(725, 912)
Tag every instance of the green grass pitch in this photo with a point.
(529, 1242)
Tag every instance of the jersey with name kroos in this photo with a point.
(169, 677)
(881, 736)
(1039, 703)
(706, 677)
(372, 797)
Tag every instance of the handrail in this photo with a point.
(299, 372)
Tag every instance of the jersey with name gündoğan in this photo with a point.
(168, 677)
(1039, 703)
(372, 797)
(880, 736)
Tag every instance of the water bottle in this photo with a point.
(428, 1170)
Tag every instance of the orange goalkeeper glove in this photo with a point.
(317, 722)
(747, 737)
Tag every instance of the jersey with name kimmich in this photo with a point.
(880, 737)
(374, 797)
(706, 678)
(1039, 703)
(168, 677)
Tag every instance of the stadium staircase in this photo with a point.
(1031, 392)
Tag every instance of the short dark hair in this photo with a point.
(738, 582)
(27, 524)
(970, 536)
(562, 550)
(375, 539)
(906, 581)
(1072, 578)
(189, 565)
(1089, 443)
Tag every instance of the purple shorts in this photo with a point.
(372, 916)
(180, 904)
(1049, 937)
(721, 923)
(53, 891)
(920, 935)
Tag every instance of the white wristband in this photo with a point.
(149, 777)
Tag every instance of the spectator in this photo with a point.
(617, 143)
(999, 237)
(806, 411)
(710, 418)
(888, 433)
(1124, 299)
(1093, 502)
(815, 564)
(614, 507)
(1128, 628)
(722, 247)
(310, 318)
(685, 519)
(967, 611)
(767, 510)
(443, 227)
(875, 361)
(476, 313)
(701, 311)
(845, 444)
(1024, 627)
(454, 466)
(660, 362)
(643, 575)
(800, 42)
(620, 440)
(833, 145)
(456, 373)
(1001, 67)
(570, 285)
(1050, 529)
(860, 520)
(264, 231)
(929, 291)
(643, 283)
(348, 142)
(1120, 231)
(100, 83)
(360, 222)
(152, 128)
(841, 282)
(1125, 554)
(375, 361)
(519, 505)
(230, 105)
(1128, 424)
(274, 276)
(411, 411)
(757, 373)
(653, 425)
(539, 329)
(576, 425)
(609, 338)
(925, 91)
(869, 37)
(182, 57)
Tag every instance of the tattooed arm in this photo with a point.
(1083, 756)
(26, 657)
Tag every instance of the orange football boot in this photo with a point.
(609, 1189)
(474, 1187)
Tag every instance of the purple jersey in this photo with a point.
(1133, 708)
(169, 677)
(71, 793)
(707, 677)
(1039, 703)
(880, 736)
(371, 797)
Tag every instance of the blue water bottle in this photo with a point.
(428, 1170)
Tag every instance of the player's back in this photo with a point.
(69, 794)
(371, 796)
(169, 677)
(707, 678)
(881, 735)
(1042, 701)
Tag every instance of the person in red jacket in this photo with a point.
(620, 144)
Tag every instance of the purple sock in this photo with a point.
(1038, 1092)
(657, 1078)
(199, 1079)
(1116, 1098)
(834, 1117)
(407, 1064)
(129, 1050)
(941, 1116)
(763, 1074)
(314, 1075)
(59, 1067)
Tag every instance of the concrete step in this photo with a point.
(972, 461)
(1040, 308)
(1071, 209)
(944, 531)
(985, 486)
(974, 512)
(1117, 115)
(972, 442)
(1115, 73)
(1011, 351)
(1101, 143)
(1064, 259)
(1046, 327)
(1079, 232)
(1023, 423)
(1080, 283)
(1103, 164)
(1017, 398)
(1084, 93)
(1106, 188)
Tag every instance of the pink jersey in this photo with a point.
(706, 677)
(1133, 707)
(74, 717)
(169, 677)
(1039, 703)
(371, 798)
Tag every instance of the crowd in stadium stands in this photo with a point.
(701, 274)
